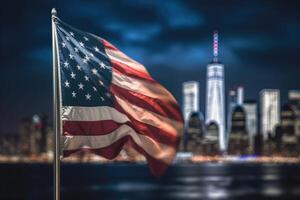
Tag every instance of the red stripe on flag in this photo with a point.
(108, 45)
(103, 128)
(89, 127)
(109, 152)
(164, 108)
(122, 68)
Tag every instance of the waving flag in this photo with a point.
(108, 100)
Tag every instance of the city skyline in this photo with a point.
(259, 40)
(150, 99)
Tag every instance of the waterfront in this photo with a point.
(133, 181)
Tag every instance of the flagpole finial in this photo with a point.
(53, 12)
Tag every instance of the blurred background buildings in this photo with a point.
(238, 128)
(252, 128)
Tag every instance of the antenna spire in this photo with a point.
(216, 46)
(53, 12)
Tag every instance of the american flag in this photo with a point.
(109, 100)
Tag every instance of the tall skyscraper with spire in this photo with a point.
(215, 102)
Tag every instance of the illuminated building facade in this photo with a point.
(215, 102)
(238, 120)
(294, 99)
(190, 98)
(211, 139)
(238, 139)
(235, 98)
(250, 108)
(288, 140)
(195, 132)
(269, 111)
(287, 120)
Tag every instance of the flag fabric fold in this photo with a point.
(109, 100)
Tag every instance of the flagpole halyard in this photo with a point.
(56, 110)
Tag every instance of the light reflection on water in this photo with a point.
(272, 191)
(212, 182)
(216, 193)
(270, 177)
(185, 181)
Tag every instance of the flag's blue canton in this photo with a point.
(85, 68)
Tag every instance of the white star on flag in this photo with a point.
(102, 65)
(78, 67)
(80, 85)
(88, 96)
(81, 44)
(66, 64)
(73, 75)
(96, 49)
(94, 71)
(67, 84)
(87, 58)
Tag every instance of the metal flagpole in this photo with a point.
(56, 109)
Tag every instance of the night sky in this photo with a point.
(259, 45)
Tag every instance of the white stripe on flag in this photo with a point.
(153, 90)
(121, 57)
(98, 113)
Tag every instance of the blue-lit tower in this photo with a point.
(215, 102)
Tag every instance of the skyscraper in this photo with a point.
(190, 91)
(294, 99)
(236, 98)
(238, 142)
(250, 108)
(215, 102)
(269, 111)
